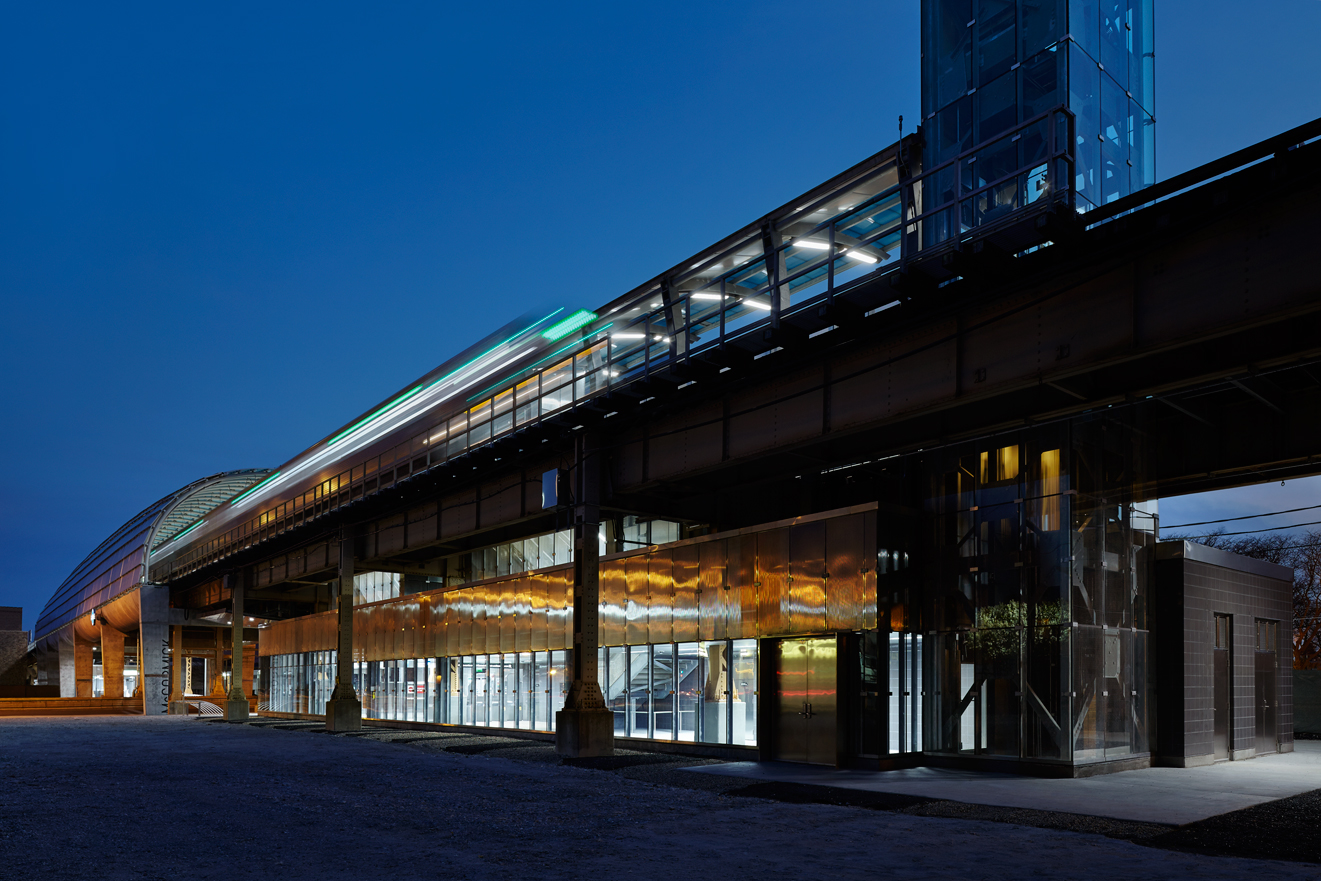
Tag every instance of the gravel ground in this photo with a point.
(134, 798)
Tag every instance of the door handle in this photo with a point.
(806, 711)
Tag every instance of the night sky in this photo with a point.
(226, 232)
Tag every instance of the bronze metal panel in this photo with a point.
(635, 602)
(397, 628)
(464, 606)
(844, 580)
(537, 620)
(505, 611)
(523, 622)
(687, 605)
(481, 620)
(807, 577)
(867, 566)
(564, 578)
(613, 602)
(712, 590)
(772, 584)
(746, 623)
(660, 597)
(409, 627)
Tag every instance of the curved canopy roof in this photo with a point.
(118, 563)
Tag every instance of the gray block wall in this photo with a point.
(1193, 584)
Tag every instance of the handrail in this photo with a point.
(1271, 146)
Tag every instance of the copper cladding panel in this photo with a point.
(505, 613)
(463, 607)
(635, 576)
(867, 564)
(660, 597)
(565, 580)
(844, 584)
(686, 609)
(523, 620)
(537, 613)
(711, 586)
(556, 610)
(772, 583)
(613, 603)
(480, 622)
(807, 577)
(397, 625)
(410, 628)
(424, 641)
(742, 597)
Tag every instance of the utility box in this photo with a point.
(1224, 685)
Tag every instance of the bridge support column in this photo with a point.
(112, 661)
(344, 710)
(236, 708)
(218, 669)
(178, 706)
(153, 648)
(68, 678)
(585, 727)
(82, 666)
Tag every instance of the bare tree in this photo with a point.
(1302, 553)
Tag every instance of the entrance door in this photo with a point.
(806, 675)
(1220, 672)
(1265, 681)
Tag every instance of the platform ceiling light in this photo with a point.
(862, 258)
(628, 336)
(568, 325)
(815, 246)
(758, 304)
(706, 296)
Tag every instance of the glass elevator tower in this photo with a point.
(990, 66)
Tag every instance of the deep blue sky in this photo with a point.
(225, 232)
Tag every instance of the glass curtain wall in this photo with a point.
(990, 65)
(1037, 594)
(700, 692)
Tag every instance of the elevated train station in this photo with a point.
(871, 482)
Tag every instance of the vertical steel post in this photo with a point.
(344, 710)
(236, 707)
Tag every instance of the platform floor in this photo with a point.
(1153, 795)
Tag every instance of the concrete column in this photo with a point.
(344, 710)
(68, 678)
(236, 708)
(154, 648)
(178, 706)
(82, 666)
(112, 660)
(585, 727)
(218, 668)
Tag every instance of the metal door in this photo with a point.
(1220, 672)
(1266, 641)
(806, 677)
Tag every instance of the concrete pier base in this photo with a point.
(343, 715)
(178, 708)
(236, 709)
(583, 733)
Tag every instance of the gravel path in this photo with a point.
(134, 798)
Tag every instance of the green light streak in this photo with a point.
(180, 535)
(241, 496)
(459, 370)
(568, 325)
(382, 411)
(539, 363)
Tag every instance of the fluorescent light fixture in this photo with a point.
(815, 246)
(628, 336)
(757, 304)
(706, 296)
(862, 257)
(568, 325)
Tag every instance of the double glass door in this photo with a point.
(807, 673)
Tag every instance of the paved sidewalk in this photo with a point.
(1152, 795)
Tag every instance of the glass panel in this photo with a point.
(527, 685)
(559, 683)
(743, 665)
(639, 692)
(614, 677)
(690, 679)
(510, 689)
(663, 693)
